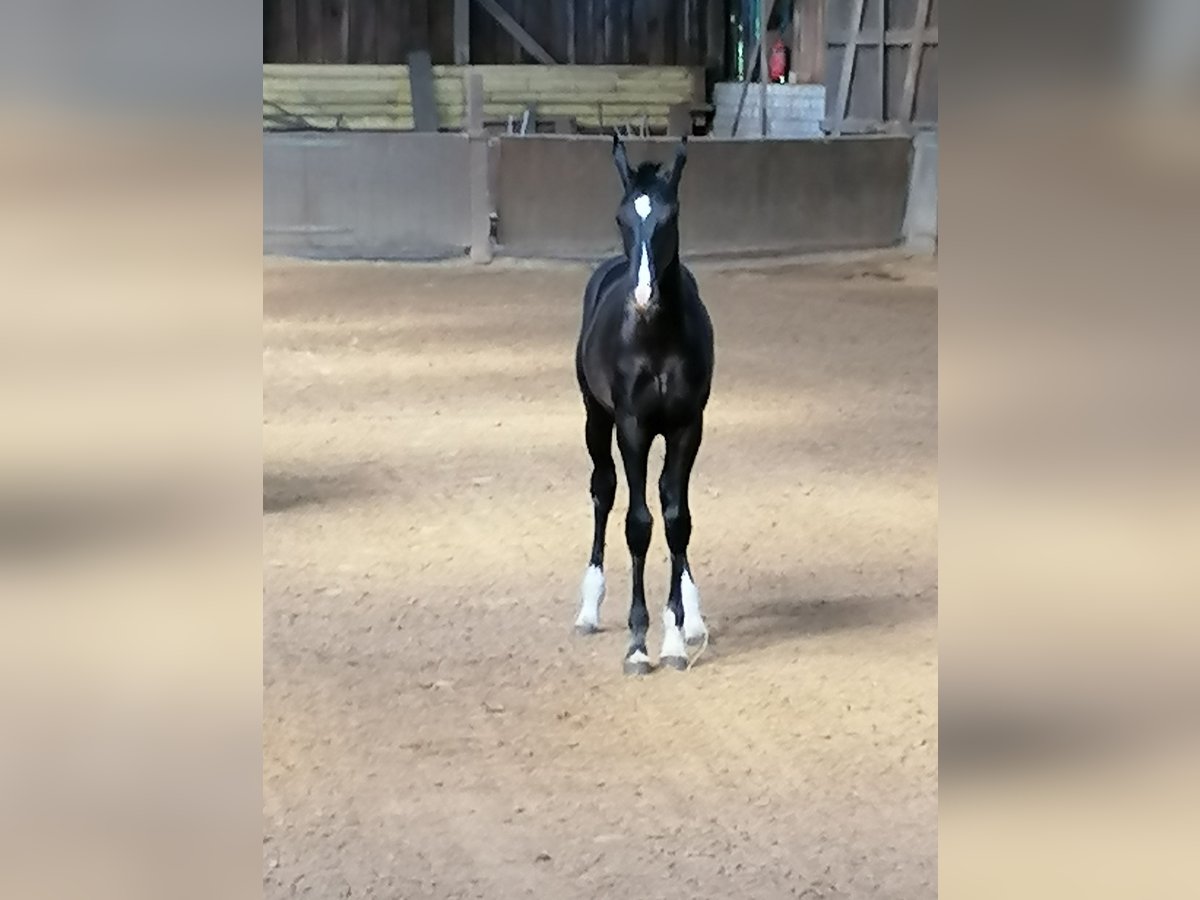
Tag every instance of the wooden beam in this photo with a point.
(462, 32)
(847, 73)
(520, 35)
(909, 98)
(794, 41)
(766, 6)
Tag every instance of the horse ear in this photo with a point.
(621, 160)
(680, 161)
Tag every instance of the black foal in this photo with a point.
(645, 364)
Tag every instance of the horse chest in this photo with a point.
(659, 390)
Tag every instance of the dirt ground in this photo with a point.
(432, 726)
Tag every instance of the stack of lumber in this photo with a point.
(352, 96)
(380, 97)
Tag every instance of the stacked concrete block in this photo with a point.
(793, 110)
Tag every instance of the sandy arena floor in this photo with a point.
(432, 726)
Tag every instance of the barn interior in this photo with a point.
(438, 186)
(419, 129)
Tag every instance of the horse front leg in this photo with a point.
(599, 431)
(634, 443)
(682, 623)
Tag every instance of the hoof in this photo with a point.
(585, 629)
(696, 640)
(678, 663)
(637, 663)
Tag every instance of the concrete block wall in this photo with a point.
(793, 110)
(738, 197)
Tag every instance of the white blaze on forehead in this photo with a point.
(641, 206)
(641, 293)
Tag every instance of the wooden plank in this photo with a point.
(519, 34)
(441, 30)
(462, 32)
(892, 37)
(878, 51)
(310, 30)
(656, 32)
(915, 52)
(424, 104)
(391, 28)
(687, 47)
(351, 123)
(812, 62)
(847, 72)
(362, 33)
(714, 38)
(344, 31)
(418, 28)
(596, 30)
(571, 31)
(286, 47)
(611, 11)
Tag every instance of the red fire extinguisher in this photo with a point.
(777, 64)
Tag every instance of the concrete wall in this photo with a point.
(921, 219)
(365, 195)
(397, 195)
(556, 196)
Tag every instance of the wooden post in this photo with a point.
(420, 81)
(481, 202)
(766, 6)
(462, 32)
(808, 41)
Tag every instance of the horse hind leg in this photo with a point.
(598, 433)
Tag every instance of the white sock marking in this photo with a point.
(637, 656)
(693, 624)
(591, 595)
(673, 644)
